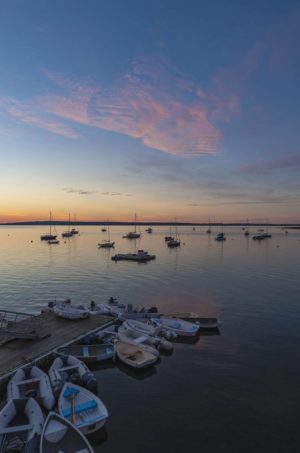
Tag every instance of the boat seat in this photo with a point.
(68, 368)
(15, 429)
(92, 404)
(85, 350)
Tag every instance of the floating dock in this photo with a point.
(35, 337)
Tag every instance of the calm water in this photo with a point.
(234, 392)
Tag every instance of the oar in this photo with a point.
(70, 392)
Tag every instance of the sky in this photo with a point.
(170, 109)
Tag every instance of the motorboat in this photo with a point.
(134, 356)
(134, 337)
(169, 238)
(205, 323)
(174, 243)
(82, 408)
(70, 369)
(60, 435)
(21, 424)
(179, 326)
(140, 256)
(68, 311)
(31, 381)
(88, 353)
(149, 230)
(220, 237)
(106, 244)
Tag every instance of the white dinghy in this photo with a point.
(142, 327)
(68, 311)
(21, 424)
(69, 368)
(134, 356)
(88, 353)
(82, 408)
(31, 382)
(128, 336)
(59, 435)
(134, 337)
(179, 326)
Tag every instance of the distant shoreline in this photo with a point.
(99, 223)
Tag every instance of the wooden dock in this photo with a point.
(53, 332)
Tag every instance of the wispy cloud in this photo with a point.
(263, 167)
(114, 194)
(78, 191)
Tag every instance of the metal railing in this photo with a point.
(8, 318)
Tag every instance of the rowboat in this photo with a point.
(82, 408)
(179, 326)
(142, 341)
(205, 323)
(88, 353)
(21, 422)
(69, 368)
(59, 435)
(127, 332)
(68, 311)
(134, 356)
(31, 382)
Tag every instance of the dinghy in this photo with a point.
(21, 422)
(131, 337)
(134, 356)
(205, 323)
(31, 382)
(68, 311)
(134, 337)
(142, 327)
(82, 408)
(180, 327)
(59, 435)
(89, 353)
(70, 369)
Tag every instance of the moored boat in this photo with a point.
(59, 435)
(179, 326)
(88, 353)
(49, 236)
(32, 382)
(134, 356)
(69, 369)
(21, 424)
(68, 311)
(140, 256)
(82, 408)
(125, 333)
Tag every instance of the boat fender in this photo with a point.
(89, 381)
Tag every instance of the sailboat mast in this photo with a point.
(50, 223)
(135, 222)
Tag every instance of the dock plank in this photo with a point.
(61, 331)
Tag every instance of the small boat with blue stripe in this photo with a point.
(82, 408)
(88, 353)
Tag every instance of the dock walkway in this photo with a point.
(57, 331)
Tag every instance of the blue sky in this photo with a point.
(170, 109)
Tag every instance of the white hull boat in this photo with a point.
(88, 353)
(59, 435)
(136, 339)
(31, 382)
(142, 327)
(179, 326)
(68, 311)
(66, 368)
(82, 408)
(134, 356)
(21, 424)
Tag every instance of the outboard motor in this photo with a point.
(153, 310)
(93, 305)
(51, 304)
(89, 381)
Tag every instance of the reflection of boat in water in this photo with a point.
(139, 374)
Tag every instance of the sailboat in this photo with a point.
(170, 237)
(221, 236)
(74, 230)
(106, 243)
(208, 231)
(175, 241)
(133, 234)
(68, 233)
(50, 236)
(247, 233)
